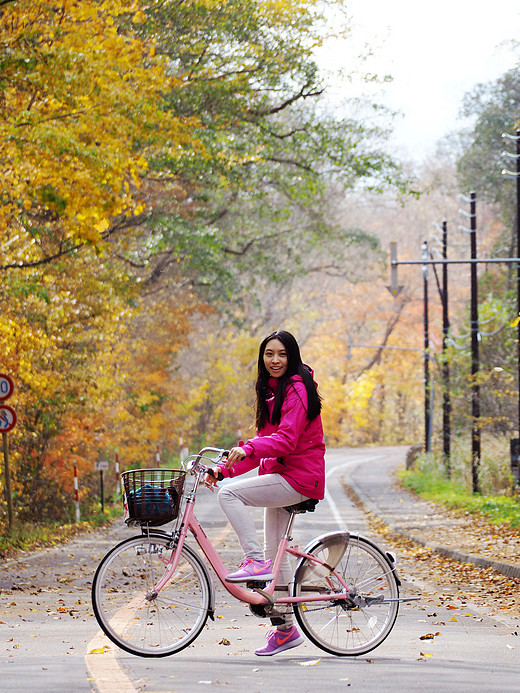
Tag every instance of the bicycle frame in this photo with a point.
(189, 523)
(156, 614)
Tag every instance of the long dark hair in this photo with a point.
(295, 366)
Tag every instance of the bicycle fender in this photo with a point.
(328, 540)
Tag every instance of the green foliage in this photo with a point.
(253, 186)
(428, 479)
(498, 365)
(496, 106)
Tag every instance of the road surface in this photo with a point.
(52, 642)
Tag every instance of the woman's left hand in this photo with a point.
(234, 455)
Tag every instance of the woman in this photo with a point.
(289, 451)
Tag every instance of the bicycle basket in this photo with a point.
(152, 496)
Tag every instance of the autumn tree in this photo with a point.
(73, 95)
(256, 198)
(495, 107)
(159, 161)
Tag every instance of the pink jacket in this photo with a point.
(294, 448)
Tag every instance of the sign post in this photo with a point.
(515, 460)
(101, 466)
(76, 492)
(7, 423)
(118, 477)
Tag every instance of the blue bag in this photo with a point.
(150, 503)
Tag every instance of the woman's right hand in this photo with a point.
(212, 478)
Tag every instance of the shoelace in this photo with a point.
(244, 562)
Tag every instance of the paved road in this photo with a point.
(49, 630)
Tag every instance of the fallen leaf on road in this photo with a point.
(310, 663)
(224, 642)
(100, 650)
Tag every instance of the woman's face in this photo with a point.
(275, 358)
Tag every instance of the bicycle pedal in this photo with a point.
(256, 584)
(260, 590)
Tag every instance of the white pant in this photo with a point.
(272, 492)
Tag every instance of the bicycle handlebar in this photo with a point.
(196, 466)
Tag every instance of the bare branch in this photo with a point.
(389, 329)
(302, 94)
(64, 250)
(292, 162)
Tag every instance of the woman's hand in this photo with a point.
(234, 455)
(211, 479)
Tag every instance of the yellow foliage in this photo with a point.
(77, 92)
(361, 391)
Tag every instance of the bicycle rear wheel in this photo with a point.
(136, 618)
(353, 626)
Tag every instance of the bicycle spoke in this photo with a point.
(129, 611)
(357, 623)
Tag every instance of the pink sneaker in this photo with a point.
(250, 569)
(280, 640)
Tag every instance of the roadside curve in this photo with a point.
(375, 488)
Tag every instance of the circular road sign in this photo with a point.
(6, 386)
(7, 418)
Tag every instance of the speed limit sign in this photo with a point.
(6, 386)
(7, 418)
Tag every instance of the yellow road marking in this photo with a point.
(101, 656)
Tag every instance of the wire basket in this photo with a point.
(152, 496)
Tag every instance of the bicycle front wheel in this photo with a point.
(353, 626)
(133, 615)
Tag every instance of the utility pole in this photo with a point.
(427, 389)
(445, 366)
(475, 337)
(446, 397)
(474, 261)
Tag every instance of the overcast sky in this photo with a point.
(436, 52)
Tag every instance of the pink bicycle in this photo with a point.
(152, 593)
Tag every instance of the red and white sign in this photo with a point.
(6, 386)
(7, 418)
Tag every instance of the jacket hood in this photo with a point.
(274, 382)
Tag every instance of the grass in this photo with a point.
(427, 479)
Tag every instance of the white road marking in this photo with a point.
(339, 468)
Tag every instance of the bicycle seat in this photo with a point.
(305, 506)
